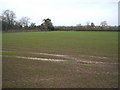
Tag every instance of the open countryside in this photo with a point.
(60, 59)
(59, 43)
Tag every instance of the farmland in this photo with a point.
(60, 59)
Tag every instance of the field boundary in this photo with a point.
(10, 31)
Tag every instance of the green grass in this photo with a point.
(87, 65)
(75, 43)
(25, 73)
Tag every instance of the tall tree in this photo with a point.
(8, 18)
(47, 24)
(92, 24)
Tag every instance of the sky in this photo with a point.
(64, 12)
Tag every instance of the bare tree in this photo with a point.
(88, 23)
(24, 21)
(8, 18)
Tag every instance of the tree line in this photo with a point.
(9, 23)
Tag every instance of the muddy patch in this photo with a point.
(89, 62)
(101, 57)
(34, 58)
(50, 54)
(67, 57)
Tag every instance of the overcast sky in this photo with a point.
(64, 12)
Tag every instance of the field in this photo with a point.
(60, 59)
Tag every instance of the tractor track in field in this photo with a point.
(34, 58)
(67, 57)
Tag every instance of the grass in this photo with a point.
(75, 43)
(25, 73)
(87, 65)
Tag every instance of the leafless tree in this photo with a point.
(8, 18)
(88, 23)
(24, 21)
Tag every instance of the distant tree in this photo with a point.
(92, 24)
(17, 25)
(24, 21)
(5, 25)
(32, 26)
(88, 23)
(8, 18)
(104, 23)
(78, 25)
(47, 24)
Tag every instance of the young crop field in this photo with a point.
(60, 59)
